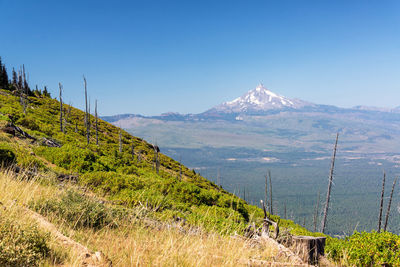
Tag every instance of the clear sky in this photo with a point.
(150, 57)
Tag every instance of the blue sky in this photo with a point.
(151, 57)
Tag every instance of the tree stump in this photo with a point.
(309, 248)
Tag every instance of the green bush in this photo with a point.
(21, 245)
(78, 210)
(29, 123)
(366, 249)
(7, 155)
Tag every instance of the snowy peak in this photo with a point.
(260, 99)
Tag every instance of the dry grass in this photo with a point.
(133, 243)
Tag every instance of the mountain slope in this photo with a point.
(107, 186)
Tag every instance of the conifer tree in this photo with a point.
(3, 76)
(46, 92)
(14, 77)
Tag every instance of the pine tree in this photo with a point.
(46, 92)
(3, 76)
(14, 77)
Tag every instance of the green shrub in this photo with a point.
(78, 210)
(21, 245)
(7, 155)
(29, 123)
(366, 249)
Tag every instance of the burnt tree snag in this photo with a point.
(381, 205)
(96, 122)
(61, 108)
(389, 205)
(87, 123)
(271, 209)
(328, 194)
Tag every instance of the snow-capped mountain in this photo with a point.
(259, 99)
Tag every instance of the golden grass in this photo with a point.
(133, 243)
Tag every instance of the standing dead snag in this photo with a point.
(271, 209)
(87, 123)
(381, 206)
(95, 122)
(390, 203)
(218, 178)
(266, 191)
(284, 211)
(133, 150)
(61, 108)
(120, 141)
(328, 194)
(316, 212)
(67, 114)
(268, 222)
(156, 160)
(180, 168)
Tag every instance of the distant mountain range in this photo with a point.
(258, 101)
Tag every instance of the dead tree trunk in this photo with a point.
(268, 222)
(61, 108)
(21, 91)
(390, 203)
(180, 168)
(328, 194)
(316, 212)
(120, 141)
(67, 114)
(381, 204)
(95, 122)
(218, 178)
(87, 125)
(266, 191)
(133, 150)
(284, 207)
(271, 208)
(156, 160)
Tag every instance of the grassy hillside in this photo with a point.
(124, 180)
(116, 202)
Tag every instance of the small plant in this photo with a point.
(7, 155)
(21, 245)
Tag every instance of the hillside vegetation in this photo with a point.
(113, 197)
(128, 183)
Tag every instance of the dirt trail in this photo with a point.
(89, 258)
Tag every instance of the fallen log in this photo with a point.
(67, 177)
(48, 142)
(13, 129)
